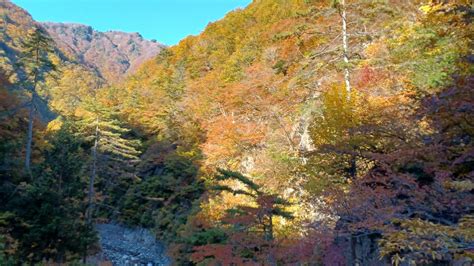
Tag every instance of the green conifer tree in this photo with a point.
(37, 65)
(113, 154)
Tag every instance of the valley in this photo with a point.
(289, 132)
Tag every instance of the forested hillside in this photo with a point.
(291, 132)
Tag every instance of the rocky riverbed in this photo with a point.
(125, 246)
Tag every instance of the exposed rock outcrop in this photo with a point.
(125, 246)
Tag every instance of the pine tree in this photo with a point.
(46, 221)
(268, 205)
(251, 226)
(37, 65)
(112, 154)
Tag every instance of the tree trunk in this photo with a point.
(29, 140)
(345, 47)
(90, 206)
(31, 117)
(353, 165)
(271, 259)
(270, 228)
(353, 240)
(347, 79)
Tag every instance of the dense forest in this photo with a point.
(291, 132)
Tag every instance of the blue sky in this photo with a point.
(167, 21)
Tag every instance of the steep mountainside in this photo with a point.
(88, 57)
(14, 24)
(113, 53)
(275, 92)
(291, 132)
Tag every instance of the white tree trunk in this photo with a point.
(347, 80)
(345, 47)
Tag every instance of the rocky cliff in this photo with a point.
(112, 54)
(129, 246)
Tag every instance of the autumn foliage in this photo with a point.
(316, 172)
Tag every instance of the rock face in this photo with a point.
(128, 246)
(112, 54)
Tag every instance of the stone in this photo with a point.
(124, 246)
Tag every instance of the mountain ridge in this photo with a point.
(113, 54)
